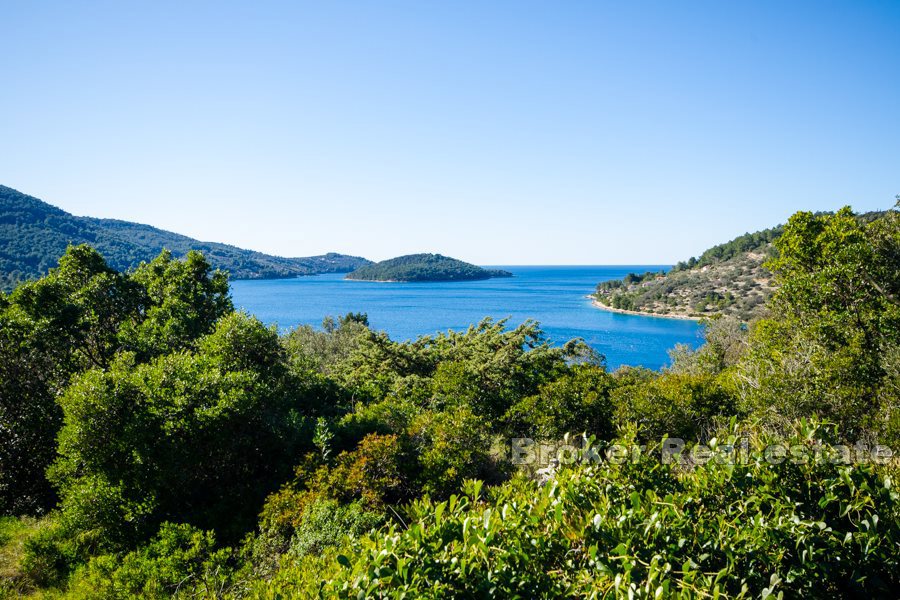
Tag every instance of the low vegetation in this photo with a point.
(154, 442)
(424, 267)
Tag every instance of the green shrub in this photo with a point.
(576, 402)
(179, 559)
(449, 447)
(325, 523)
(197, 437)
(672, 404)
(645, 529)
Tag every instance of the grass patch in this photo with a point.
(14, 531)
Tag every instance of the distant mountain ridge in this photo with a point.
(34, 234)
(424, 267)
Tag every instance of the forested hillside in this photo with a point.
(34, 234)
(424, 267)
(154, 442)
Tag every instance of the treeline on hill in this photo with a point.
(155, 442)
(759, 241)
(33, 235)
(424, 267)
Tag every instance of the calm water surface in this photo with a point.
(553, 296)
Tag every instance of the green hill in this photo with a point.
(424, 267)
(34, 234)
(726, 279)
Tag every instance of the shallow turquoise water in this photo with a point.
(554, 296)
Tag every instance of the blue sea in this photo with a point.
(554, 296)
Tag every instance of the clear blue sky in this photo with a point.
(498, 132)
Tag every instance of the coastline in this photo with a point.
(638, 313)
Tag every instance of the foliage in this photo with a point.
(725, 343)
(644, 529)
(828, 350)
(14, 531)
(203, 454)
(49, 330)
(179, 558)
(486, 366)
(676, 405)
(78, 318)
(451, 446)
(197, 437)
(320, 350)
(424, 267)
(576, 402)
(326, 523)
(182, 301)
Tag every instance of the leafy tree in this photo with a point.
(674, 405)
(450, 447)
(197, 437)
(182, 301)
(835, 321)
(377, 472)
(725, 342)
(575, 402)
(51, 329)
(322, 350)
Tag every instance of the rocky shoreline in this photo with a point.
(639, 313)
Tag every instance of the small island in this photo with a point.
(424, 267)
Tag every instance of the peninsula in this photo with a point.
(728, 279)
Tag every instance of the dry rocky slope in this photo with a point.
(728, 279)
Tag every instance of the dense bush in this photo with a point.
(643, 529)
(676, 405)
(828, 351)
(77, 318)
(189, 437)
(576, 402)
(179, 558)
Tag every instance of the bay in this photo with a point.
(555, 296)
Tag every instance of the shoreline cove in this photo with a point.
(636, 313)
(553, 296)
